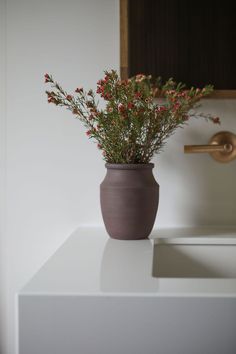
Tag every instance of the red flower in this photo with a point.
(79, 89)
(216, 120)
(93, 112)
(138, 95)
(99, 146)
(176, 106)
(100, 89)
(141, 110)
(69, 97)
(130, 105)
(106, 96)
(47, 78)
(161, 108)
(140, 77)
(75, 111)
(88, 132)
(121, 108)
(89, 104)
(53, 100)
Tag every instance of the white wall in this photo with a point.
(2, 171)
(195, 189)
(53, 172)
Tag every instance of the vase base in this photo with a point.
(128, 238)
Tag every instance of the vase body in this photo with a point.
(129, 197)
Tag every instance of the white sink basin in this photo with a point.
(202, 256)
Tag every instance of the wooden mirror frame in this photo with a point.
(124, 52)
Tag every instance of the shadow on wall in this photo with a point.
(203, 190)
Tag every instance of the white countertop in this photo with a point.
(89, 263)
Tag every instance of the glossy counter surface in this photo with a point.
(90, 263)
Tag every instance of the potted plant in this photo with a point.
(131, 128)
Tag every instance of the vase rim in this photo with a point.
(129, 166)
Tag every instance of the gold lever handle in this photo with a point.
(190, 149)
(222, 147)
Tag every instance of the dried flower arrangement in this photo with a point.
(133, 126)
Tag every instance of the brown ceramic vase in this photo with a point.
(129, 197)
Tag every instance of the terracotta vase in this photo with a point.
(129, 197)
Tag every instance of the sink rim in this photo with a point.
(197, 240)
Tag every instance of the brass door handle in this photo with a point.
(222, 147)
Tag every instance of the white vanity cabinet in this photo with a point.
(96, 295)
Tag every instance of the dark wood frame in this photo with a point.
(124, 51)
(124, 38)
